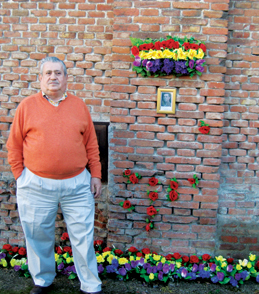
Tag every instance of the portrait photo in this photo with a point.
(166, 100)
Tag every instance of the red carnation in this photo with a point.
(7, 247)
(173, 195)
(134, 50)
(206, 257)
(203, 47)
(177, 255)
(22, 251)
(153, 196)
(186, 46)
(170, 43)
(148, 227)
(173, 185)
(169, 256)
(157, 45)
(146, 250)
(151, 211)
(163, 44)
(204, 129)
(139, 254)
(133, 179)
(127, 172)
(132, 249)
(64, 237)
(99, 242)
(185, 258)
(176, 45)
(106, 249)
(15, 249)
(126, 204)
(230, 260)
(118, 252)
(191, 181)
(153, 181)
(194, 259)
(194, 46)
(59, 250)
(68, 250)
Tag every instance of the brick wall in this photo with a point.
(238, 205)
(92, 37)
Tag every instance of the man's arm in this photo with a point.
(15, 145)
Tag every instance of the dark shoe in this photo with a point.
(99, 292)
(40, 290)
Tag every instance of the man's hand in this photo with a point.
(96, 187)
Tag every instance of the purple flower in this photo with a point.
(160, 266)
(220, 276)
(230, 268)
(199, 68)
(110, 269)
(201, 267)
(200, 61)
(144, 62)
(141, 261)
(257, 278)
(213, 267)
(192, 275)
(17, 268)
(149, 64)
(156, 65)
(233, 282)
(149, 270)
(191, 64)
(214, 279)
(146, 265)
(184, 273)
(154, 269)
(2, 255)
(204, 274)
(168, 66)
(122, 271)
(115, 263)
(195, 268)
(180, 67)
(238, 276)
(137, 61)
(171, 267)
(61, 266)
(127, 266)
(160, 276)
(134, 263)
(166, 268)
(100, 268)
(244, 274)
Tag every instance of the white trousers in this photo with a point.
(38, 200)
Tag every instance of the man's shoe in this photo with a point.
(99, 292)
(40, 290)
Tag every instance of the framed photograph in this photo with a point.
(166, 100)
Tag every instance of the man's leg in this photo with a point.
(37, 206)
(78, 210)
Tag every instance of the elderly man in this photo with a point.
(51, 142)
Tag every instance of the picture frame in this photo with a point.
(166, 100)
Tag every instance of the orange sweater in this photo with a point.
(53, 142)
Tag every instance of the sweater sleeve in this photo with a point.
(15, 144)
(92, 149)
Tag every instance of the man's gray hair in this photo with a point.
(55, 60)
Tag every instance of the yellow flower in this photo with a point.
(169, 54)
(220, 258)
(99, 258)
(243, 263)
(252, 257)
(23, 260)
(151, 276)
(13, 262)
(69, 260)
(104, 254)
(142, 54)
(181, 54)
(148, 255)
(149, 54)
(249, 265)
(218, 268)
(132, 258)
(238, 267)
(123, 260)
(156, 257)
(157, 54)
(224, 264)
(3, 262)
(178, 264)
(200, 54)
(138, 257)
(56, 256)
(192, 53)
(110, 258)
(163, 260)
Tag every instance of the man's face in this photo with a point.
(53, 80)
(167, 97)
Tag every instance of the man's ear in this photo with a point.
(40, 77)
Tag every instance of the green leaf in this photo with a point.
(72, 276)
(146, 279)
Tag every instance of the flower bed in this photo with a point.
(144, 265)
